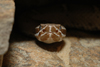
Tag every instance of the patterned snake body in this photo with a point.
(50, 33)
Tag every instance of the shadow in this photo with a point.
(54, 47)
(82, 33)
(18, 36)
(26, 18)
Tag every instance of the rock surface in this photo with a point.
(27, 52)
(6, 23)
(82, 51)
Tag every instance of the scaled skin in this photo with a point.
(50, 33)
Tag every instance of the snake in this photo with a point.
(50, 33)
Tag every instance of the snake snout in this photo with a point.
(50, 33)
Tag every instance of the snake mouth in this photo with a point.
(50, 32)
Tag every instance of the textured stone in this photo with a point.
(24, 51)
(82, 51)
(85, 52)
(64, 53)
(30, 55)
(90, 42)
(6, 23)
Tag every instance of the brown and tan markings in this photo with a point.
(50, 33)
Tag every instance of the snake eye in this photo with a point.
(60, 28)
(40, 27)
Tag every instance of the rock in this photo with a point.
(72, 52)
(85, 52)
(25, 51)
(6, 23)
(30, 55)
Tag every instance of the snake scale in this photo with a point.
(83, 17)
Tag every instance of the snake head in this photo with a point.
(50, 33)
